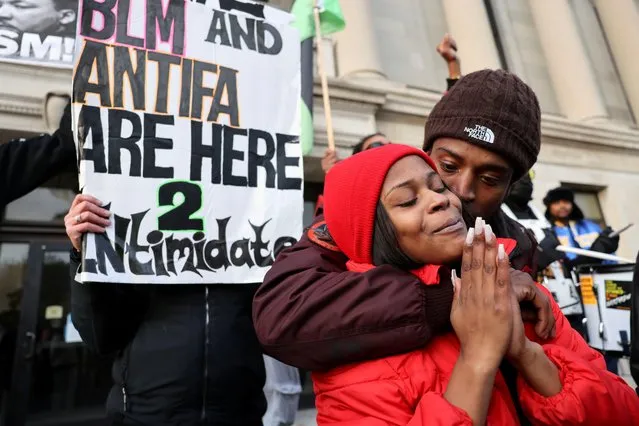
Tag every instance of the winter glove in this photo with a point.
(604, 243)
(547, 252)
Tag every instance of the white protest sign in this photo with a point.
(187, 126)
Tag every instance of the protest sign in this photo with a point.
(40, 32)
(186, 116)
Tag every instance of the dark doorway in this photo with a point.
(54, 379)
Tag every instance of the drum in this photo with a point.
(563, 289)
(606, 296)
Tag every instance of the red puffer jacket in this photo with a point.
(408, 389)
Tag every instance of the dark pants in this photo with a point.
(612, 362)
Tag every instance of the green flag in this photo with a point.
(331, 17)
(331, 20)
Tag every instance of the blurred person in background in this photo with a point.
(520, 196)
(572, 229)
(367, 142)
(282, 390)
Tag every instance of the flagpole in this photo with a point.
(322, 73)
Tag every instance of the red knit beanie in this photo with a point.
(351, 193)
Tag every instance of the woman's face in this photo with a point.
(426, 216)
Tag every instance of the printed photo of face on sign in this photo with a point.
(41, 31)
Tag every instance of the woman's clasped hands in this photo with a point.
(485, 313)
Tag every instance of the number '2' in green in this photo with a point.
(182, 216)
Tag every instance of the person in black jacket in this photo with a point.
(26, 164)
(185, 354)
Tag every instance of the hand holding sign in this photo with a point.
(85, 215)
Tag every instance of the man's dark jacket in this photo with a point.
(26, 164)
(185, 354)
(311, 313)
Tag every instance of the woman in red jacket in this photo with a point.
(389, 206)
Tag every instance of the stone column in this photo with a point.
(356, 47)
(570, 71)
(468, 23)
(620, 21)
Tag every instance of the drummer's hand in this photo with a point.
(537, 308)
(604, 243)
(85, 215)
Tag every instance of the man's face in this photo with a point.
(375, 141)
(560, 209)
(32, 16)
(480, 178)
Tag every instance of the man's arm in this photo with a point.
(27, 164)
(447, 49)
(313, 314)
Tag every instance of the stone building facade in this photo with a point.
(581, 57)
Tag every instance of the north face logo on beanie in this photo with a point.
(482, 133)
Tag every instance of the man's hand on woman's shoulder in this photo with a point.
(535, 304)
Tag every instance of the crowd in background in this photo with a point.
(194, 354)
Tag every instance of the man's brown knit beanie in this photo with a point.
(494, 110)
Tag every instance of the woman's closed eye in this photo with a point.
(408, 203)
(435, 183)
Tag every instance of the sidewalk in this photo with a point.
(624, 372)
(307, 417)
